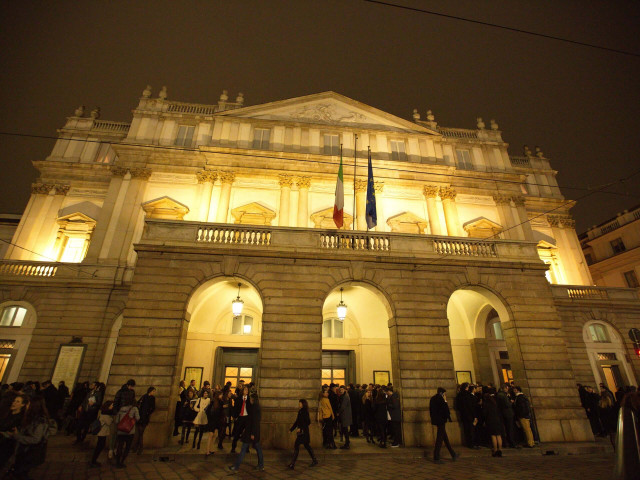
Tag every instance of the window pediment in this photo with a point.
(165, 208)
(407, 222)
(253, 214)
(324, 219)
(482, 228)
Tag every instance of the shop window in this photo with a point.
(331, 144)
(398, 151)
(185, 135)
(242, 325)
(598, 333)
(261, 138)
(13, 316)
(333, 328)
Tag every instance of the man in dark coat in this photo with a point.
(395, 412)
(440, 415)
(251, 435)
(522, 410)
(506, 412)
(126, 391)
(146, 406)
(465, 404)
(51, 399)
(356, 401)
(344, 415)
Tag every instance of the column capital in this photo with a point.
(41, 188)
(561, 221)
(361, 185)
(285, 181)
(502, 199)
(303, 182)
(430, 191)
(62, 189)
(143, 173)
(117, 171)
(378, 186)
(447, 193)
(205, 176)
(227, 177)
(518, 200)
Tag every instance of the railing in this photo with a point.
(610, 228)
(194, 108)
(233, 236)
(354, 241)
(520, 162)
(28, 269)
(467, 248)
(587, 292)
(458, 132)
(119, 127)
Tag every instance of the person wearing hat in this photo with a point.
(440, 414)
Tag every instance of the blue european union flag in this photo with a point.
(371, 213)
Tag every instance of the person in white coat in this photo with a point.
(201, 422)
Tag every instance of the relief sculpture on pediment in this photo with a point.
(327, 113)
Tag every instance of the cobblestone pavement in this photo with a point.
(64, 464)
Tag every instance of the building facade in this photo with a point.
(138, 236)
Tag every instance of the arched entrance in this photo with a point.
(479, 349)
(357, 349)
(18, 320)
(221, 346)
(109, 349)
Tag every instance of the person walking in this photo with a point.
(201, 421)
(126, 427)
(105, 417)
(523, 415)
(326, 416)
(146, 406)
(301, 426)
(241, 416)
(251, 436)
(440, 415)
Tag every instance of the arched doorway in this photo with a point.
(357, 349)
(221, 346)
(478, 345)
(18, 320)
(109, 349)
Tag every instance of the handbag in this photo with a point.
(126, 423)
(95, 427)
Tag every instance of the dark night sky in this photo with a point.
(579, 104)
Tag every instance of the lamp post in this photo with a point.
(342, 308)
(237, 304)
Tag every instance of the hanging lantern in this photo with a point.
(342, 308)
(237, 304)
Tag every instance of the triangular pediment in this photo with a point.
(407, 222)
(482, 227)
(328, 108)
(76, 217)
(253, 214)
(324, 219)
(165, 208)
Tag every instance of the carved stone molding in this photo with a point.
(430, 191)
(561, 221)
(303, 182)
(378, 187)
(41, 188)
(502, 199)
(143, 173)
(117, 171)
(227, 177)
(519, 201)
(285, 181)
(205, 176)
(361, 185)
(62, 189)
(447, 193)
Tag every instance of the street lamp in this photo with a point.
(237, 304)
(342, 308)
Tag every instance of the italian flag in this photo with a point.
(338, 207)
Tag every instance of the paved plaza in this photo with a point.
(575, 461)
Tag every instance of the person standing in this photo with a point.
(492, 421)
(124, 435)
(326, 416)
(181, 397)
(146, 406)
(31, 438)
(505, 408)
(440, 415)
(201, 421)
(241, 416)
(187, 415)
(465, 406)
(11, 420)
(344, 415)
(124, 392)
(381, 415)
(355, 400)
(367, 416)
(251, 436)
(523, 415)
(301, 426)
(106, 420)
(395, 412)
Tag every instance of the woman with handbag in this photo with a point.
(105, 417)
(301, 426)
(201, 422)
(126, 419)
(31, 438)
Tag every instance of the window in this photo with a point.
(12, 316)
(631, 279)
(607, 356)
(106, 154)
(463, 158)
(598, 333)
(234, 374)
(397, 150)
(4, 364)
(242, 325)
(185, 135)
(261, 138)
(331, 144)
(333, 375)
(332, 328)
(74, 235)
(73, 250)
(617, 245)
(497, 331)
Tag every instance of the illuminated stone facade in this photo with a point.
(137, 235)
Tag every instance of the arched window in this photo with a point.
(13, 316)
(598, 333)
(333, 328)
(17, 321)
(242, 325)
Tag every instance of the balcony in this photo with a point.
(580, 293)
(342, 244)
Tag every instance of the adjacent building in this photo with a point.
(138, 237)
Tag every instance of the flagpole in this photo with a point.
(355, 165)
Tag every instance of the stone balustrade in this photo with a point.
(28, 269)
(579, 292)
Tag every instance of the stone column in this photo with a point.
(503, 203)
(227, 179)
(285, 199)
(448, 196)
(31, 216)
(303, 201)
(206, 179)
(379, 188)
(523, 218)
(45, 237)
(361, 204)
(572, 259)
(430, 192)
